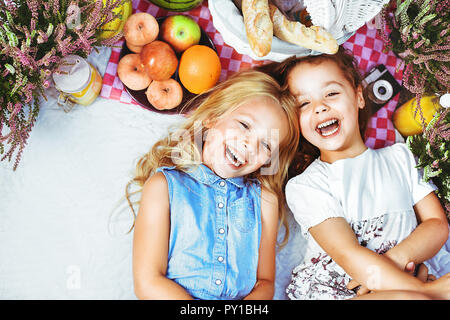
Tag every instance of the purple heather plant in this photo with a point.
(418, 31)
(34, 36)
(432, 149)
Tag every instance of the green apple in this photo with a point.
(180, 31)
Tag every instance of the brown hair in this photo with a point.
(306, 152)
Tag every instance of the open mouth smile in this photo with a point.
(328, 128)
(235, 159)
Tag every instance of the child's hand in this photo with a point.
(440, 288)
(422, 274)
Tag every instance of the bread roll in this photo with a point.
(314, 38)
(258, 25)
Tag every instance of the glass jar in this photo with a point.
(77, 80)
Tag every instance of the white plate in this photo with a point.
(228, 20)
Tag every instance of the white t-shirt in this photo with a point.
(375, 192)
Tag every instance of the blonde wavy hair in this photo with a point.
(210, 106)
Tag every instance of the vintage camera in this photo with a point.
(380, 87)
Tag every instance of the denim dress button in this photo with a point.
(220, 205)
(220, 258)
(222, 183)
(221, 230)
(218, 282)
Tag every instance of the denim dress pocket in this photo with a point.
(243, 214)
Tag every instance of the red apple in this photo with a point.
(159, 60)
(166, 94)
(180, 32)
(131, 72)
(141, 28)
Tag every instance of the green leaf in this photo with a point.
(402, 7)
(427, 18)
(421, 14)
(10, 68)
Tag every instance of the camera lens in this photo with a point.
(382, 90)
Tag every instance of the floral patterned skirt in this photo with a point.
(322, 279)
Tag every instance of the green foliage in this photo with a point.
(34, 36)
(418, 32)
(420, 35)
(432, 150)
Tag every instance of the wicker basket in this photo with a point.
(340, 17)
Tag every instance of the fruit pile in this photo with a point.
(154, 60)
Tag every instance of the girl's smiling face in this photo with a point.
(244, 140)
(329, 107)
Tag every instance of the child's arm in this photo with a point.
(376, 272)
(432, 231)
(433, 227)
(427, 239)
(264, 287)
(151, 244)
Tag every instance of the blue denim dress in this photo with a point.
(215, 231)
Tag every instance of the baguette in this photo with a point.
(258, 25)
(314, 38)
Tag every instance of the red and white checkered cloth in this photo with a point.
(365, 44)
(367, 47)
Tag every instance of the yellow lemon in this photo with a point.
(409, 122)
(114, 26)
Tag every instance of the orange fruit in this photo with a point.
(199, 68)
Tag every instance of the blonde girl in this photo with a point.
(212, 195)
